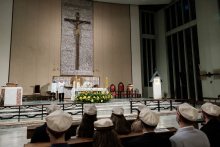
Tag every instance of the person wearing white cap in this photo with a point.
(121, 125)
(58, 122)
(210, 114)
(86, 127)
(135, 125)
(40, 133)
(149, 121)
(105, 135)
(187, 135)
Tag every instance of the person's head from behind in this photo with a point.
(186, 115)
(210, 111)
(149, 120)
(52, 108)
(105, 135)
(121, 125)
(58, 122)
(86, 128)
(139, 109)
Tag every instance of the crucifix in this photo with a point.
(78, 23)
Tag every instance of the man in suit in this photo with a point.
(187, 135)
(149, 121)
(40, 133)
(210, 114)
(58, 122)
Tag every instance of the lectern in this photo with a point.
(156, 79)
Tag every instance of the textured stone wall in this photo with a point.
(68, 41)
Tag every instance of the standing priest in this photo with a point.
(61, 89)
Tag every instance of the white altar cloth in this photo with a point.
(12, 95)
(75, 90)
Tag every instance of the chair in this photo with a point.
(121, 90)
(113, 90)
(37, 89)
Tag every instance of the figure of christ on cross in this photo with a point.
(78, 23)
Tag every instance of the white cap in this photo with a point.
(103, 123)
(141, 107)
(52, 108)
(149, 117)
(118, 110)
(210, 109)
(90, 109)
(59, 121)
(188, 112)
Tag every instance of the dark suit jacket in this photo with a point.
(40, 135)
(150, 140)
(212, 130)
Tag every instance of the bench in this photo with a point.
(87, 142)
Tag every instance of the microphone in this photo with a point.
(15, 80)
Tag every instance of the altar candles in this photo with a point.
(106, 81)
(75, 81)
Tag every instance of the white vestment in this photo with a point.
(78, 85)
(53, 87)
(61, 87)
(86, 85)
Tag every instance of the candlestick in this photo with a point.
(106, 81)
(76, 82)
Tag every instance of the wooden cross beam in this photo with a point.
(78, 23)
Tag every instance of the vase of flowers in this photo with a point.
(93, 97)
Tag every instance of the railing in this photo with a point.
(157, 103)
(38, 108)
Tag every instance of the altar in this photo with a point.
(11, 95)
(75, 91)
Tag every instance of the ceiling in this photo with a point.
(137, 2)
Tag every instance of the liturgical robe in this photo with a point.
(61, 87)
(53, 87)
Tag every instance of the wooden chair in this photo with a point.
(113, 90)
(121, 90)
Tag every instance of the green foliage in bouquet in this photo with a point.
(93, 97)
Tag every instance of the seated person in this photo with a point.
(40, 133)
(149, 121)
(135, 125)
(187, 135)
(86, 84)
(105, 135)
(86, 127)
(58, 122)
(210, 114)
(121, 125)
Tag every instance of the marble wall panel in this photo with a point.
(68, 41)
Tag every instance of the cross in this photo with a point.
(78, 23)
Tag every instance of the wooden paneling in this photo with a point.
(112, 51)
(35, 43)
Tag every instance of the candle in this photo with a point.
(75, 81)
(106, 81)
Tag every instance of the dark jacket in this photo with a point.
(40, 135)
(212, 130)
(60, 145)
(150, 140)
